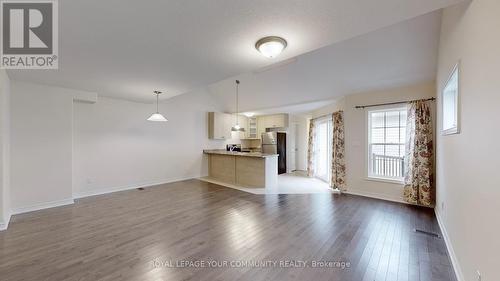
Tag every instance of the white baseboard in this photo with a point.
(107, 190)
(40, 206)
(375, 195)
(46, 205)
(449, 246)
(5, 224)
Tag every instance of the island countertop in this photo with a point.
(238, 153)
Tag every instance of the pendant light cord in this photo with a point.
(157, 100)
(237, 100)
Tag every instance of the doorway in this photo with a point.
(323, 149)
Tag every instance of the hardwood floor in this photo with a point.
(132, 235)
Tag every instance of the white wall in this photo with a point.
(63, 148)
(116, 148)
(41, 146)
(4, 149)
(356, 136)
(468, 180)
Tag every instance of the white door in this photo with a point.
(323, 150)
(291, 146)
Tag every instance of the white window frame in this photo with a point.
(368, 168)
(455, 129)
(329, 122)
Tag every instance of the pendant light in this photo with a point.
(157, 117)
(237, 127)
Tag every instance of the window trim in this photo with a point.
(456, 128)
(368, 176)
(329, 122)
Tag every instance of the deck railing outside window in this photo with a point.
(387, 166)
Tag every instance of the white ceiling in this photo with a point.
(126, 49)
(297, 109)
(402, 54)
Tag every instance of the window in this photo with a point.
(386, 143)
(323, 149)
(450, 104)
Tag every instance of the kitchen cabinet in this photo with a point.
(243, 122)
(219, 126)
(277, 121)
(243, 169)
(252, 132)
(271, 121)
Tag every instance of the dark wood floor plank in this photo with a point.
(123, 235)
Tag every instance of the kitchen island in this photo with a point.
(243, 169)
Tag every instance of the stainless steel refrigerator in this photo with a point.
(275, 143)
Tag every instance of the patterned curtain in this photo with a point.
(338, 152)
(419, 155)
(310, 149)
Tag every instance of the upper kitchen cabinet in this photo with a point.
(252, 132)
(271, 121)
(219, 126)
(243, 122)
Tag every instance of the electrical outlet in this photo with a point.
(478, 275)
(442, 205)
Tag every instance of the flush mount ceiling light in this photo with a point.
(237, 127)
(271, 46)
(157, 117)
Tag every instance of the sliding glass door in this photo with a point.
(323, 149)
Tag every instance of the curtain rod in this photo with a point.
(327, 115)
(391, 103)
